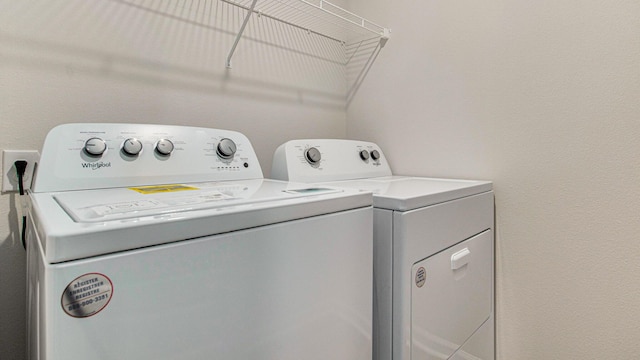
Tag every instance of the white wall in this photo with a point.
(539, 96)
(133, 61)
(542, 97)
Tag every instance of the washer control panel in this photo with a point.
(93, 156)
(319, 160)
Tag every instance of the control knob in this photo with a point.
(132, 146)
(312, 155)
(364, 155)
(95, 147)
(226, 148)
(164, 147)
(375, 154)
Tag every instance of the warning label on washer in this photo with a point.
(154, 189)
(87, 295)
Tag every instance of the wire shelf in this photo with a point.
(318, 17)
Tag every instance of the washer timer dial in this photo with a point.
(95, 147)
(226, 149)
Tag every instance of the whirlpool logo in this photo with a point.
(96, 166)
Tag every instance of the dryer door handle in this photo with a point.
(460, 259)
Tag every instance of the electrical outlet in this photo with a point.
(9, 174)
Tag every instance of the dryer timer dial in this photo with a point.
(312, 155)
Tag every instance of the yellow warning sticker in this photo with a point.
(154, 189)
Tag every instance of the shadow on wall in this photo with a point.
(184, 44)
(13, 323)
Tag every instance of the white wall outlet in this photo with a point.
(9, 174)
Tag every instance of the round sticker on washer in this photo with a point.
(421, 276)
(87, 295)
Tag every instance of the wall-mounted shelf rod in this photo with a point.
(239, 35)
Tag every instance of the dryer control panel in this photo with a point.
(320, 160)
(107, 155)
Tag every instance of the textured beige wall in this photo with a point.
(115, 61)
(542, 97)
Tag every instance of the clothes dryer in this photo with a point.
(165, 242)
(433, 249)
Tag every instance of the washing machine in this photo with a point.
(165, 242)
(433, 249)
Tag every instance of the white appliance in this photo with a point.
(165, 242)
(433, 250)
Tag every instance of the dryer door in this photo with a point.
(451, 297)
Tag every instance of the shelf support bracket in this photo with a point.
(384, 37)
(244, 25)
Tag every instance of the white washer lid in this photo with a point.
(79, 224)
(404, 193)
